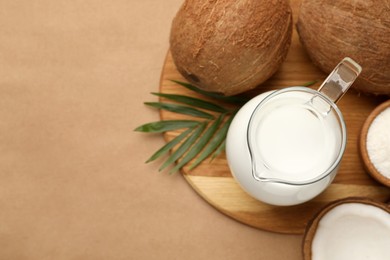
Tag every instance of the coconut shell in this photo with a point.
(313, 224)
(230, 46)
(331, 30)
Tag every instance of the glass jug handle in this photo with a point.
(340, 79)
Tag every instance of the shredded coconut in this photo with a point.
(378, 143)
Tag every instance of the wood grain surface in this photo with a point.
(214, 182)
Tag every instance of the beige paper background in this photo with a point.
(73, 183)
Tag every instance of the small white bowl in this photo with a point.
(370, 167)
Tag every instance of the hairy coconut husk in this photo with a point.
(331, 30)
(230, 46)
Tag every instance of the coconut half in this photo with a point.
(353, 228)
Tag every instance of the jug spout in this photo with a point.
(340, 79)
(259, 171)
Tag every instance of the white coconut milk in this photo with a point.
(353, 231)
(297, 138)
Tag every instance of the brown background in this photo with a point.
(73, 183)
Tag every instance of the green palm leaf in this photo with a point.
(193, 102)
(184, 146)
(215, 95)
(310, 83)
(219, 150)
(180, 109)
(200, 144)
(166, 125)
(168, 146)
(216, 141)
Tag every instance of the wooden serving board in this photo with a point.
(214, 182)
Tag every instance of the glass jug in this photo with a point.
(284, 147)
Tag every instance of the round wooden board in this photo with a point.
(213, 181)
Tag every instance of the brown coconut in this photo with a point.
(331, 30)
(230, 46)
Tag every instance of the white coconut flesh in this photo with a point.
(353, 231)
